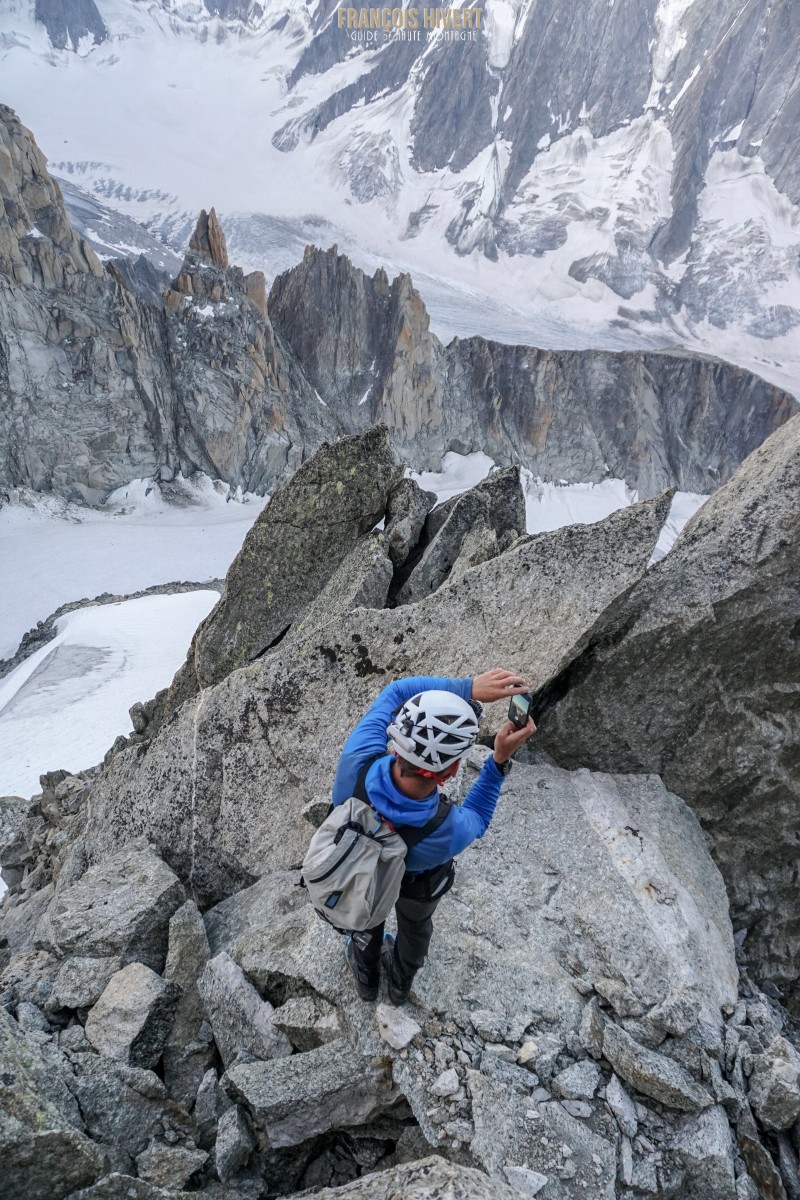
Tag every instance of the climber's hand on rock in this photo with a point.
(508, 740)
(497, 684)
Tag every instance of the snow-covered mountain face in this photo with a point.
(576, 174)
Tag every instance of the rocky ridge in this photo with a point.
(100, 385)
(175, 1016)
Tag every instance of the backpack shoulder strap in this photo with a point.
(360, 786)
(412, 835)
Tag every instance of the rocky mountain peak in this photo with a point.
(195, 383)
(38, 246)
(364, 342)
(69, 22)
(411, 306)
(208, 240)
(206, 273)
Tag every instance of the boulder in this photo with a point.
(307, 1021)
(29, 976)
(74, 1039)
(446, 1084)
(573, 850)
(591, 1028)
(573, 1158)
(705, 1146)
(426, 1179)
(210, 1106)
(234, 1144)
(81, 981)
(217, 788)
(240, 1019)
(490, 1025)
(760, 1166)
(293, 1099)
(578, 1108)
(19, 820)
(644, 695)
(396, 1027)
(121, 1106)
(292, 550)
(775, 1085)
(282, 941)
(789, 1167)
(496, 505)
(188, 1051)
(31, 1019)
(407, 507)
(524, 1181)
(18, 924)
(652, 1074)
(169, 1166)
(479, 545)
(44, 1157)
(626, 1161)
(229, 919)
(119, 908)
(132, 1019)
(622, 1107)
(496, 1066)
(578, 1082)
(49, 1068)
(361, 581)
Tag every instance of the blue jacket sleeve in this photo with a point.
(369, 736)
(471, 819)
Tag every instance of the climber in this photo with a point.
(431, 723)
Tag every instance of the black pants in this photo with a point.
(419, 897)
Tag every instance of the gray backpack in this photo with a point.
(356, 861)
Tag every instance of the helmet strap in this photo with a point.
(439, 776)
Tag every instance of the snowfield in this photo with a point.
(65, 705)
(57, 552)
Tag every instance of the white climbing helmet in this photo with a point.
(433, 729)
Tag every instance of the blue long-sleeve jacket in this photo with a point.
(465, 823)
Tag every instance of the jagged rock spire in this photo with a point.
(208, 240)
